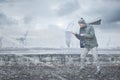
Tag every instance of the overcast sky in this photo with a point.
(46, 20)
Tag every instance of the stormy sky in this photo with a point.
(46, 20)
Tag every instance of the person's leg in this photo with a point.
(95, 56)
(83, 57)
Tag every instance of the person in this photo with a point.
(88, 42)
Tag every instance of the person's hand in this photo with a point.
(73, 33)
(81, 34)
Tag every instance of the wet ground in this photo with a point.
(61, 72)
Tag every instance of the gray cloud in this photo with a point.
(110, 12)
(1, 1)
(4, 20)
(113, 16)
(68, 7)
(27, 19)
(107, 10)
(6, 1)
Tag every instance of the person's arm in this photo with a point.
(78, 36)
(90, 34)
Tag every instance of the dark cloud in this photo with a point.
(113, 16)
(1, 1)
(107, 10)
(110, 20)
(6, 1)
(68, 8)
(110, 12)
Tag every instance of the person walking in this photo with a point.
(88, 42)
